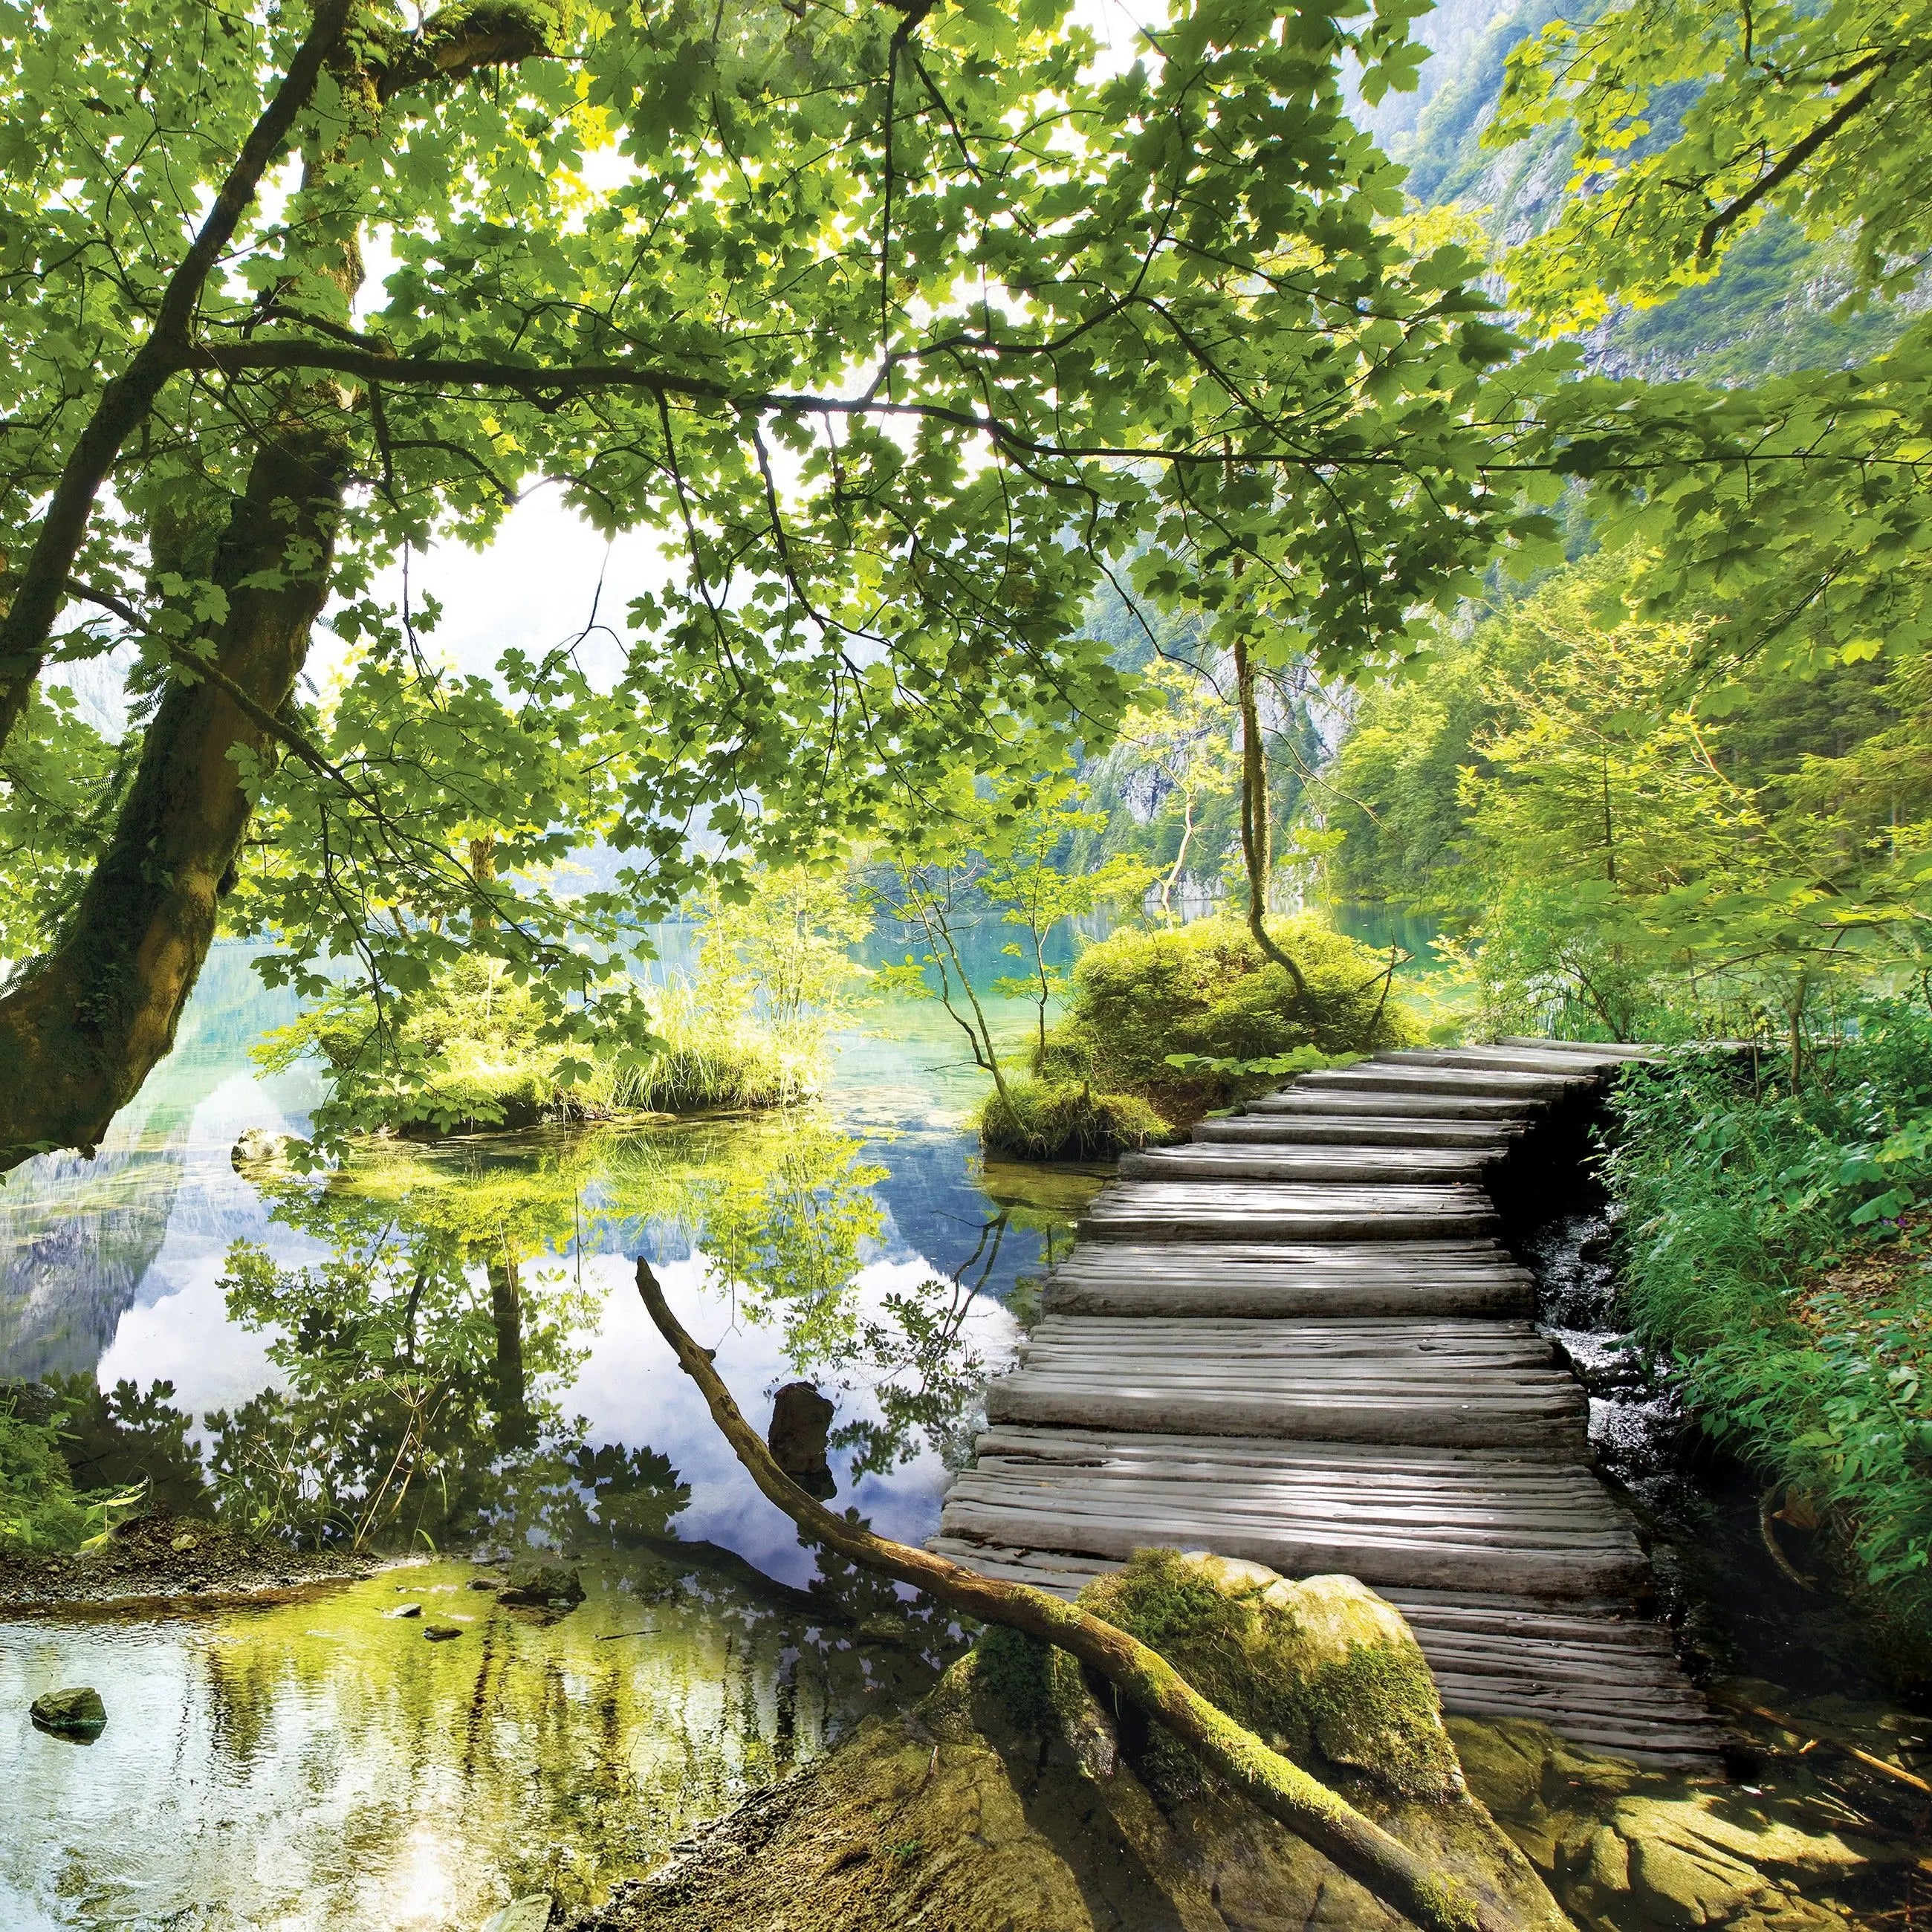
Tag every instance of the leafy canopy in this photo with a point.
(902, 328)
(1801, 503)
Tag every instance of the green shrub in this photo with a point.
(1065, 1120)
(1775, 1247)
(1207, 989)
(40, 1511)
(707, 1059)
(471, 1055)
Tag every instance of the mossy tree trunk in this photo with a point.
(1275, 1785)
(83, 1028)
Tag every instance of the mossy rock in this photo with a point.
(1065, 1120)
(1323, 1669)
(1008, 1801)
(1207, 989)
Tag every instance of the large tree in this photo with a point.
(904, 324)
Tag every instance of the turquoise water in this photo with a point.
(441, 1352)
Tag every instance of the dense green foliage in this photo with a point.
(1205, 989)
(1638, 835)
(478, 1050)
(1775, 1245)
(42, 1511)
(1800, 499)
(903, 329)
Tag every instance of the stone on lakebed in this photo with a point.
(533, 1581)
(530, 1913)
(77, 1713)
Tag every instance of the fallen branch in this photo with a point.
(1383, 1865)
(1897, 1773)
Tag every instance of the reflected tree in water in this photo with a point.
(427, 1356)
(425, 1361)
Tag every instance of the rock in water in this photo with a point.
(257, 1145)
(534, 1581)
(801, 1423)
(78, 1713)
(440, 1632)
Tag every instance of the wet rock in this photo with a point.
(1323, 1665)
(530, 1913)
(1004, 1802)
(1625, 1849)
(486, 1583)
(441, 1632)
(405, 1610)
(75, 1713)
(257, 1147)
(801, 1424)
(541, 1584)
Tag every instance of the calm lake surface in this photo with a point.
(445, 1349)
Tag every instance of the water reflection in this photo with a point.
(442, 1348)
(429, 1356)
(320, 1765)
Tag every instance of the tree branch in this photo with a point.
(1794, 158)
(551, 385)
(1381, 1863)
(205, 670)
(461, 40)
(127, 397)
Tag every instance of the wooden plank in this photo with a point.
(1569, 1067)
(1502, 1294)
(1300, 1164)
(1387, 1106)
(1448, 1465)
(1373, 1559)
(1216, 1506)
(1216, 1335)
(1370, 1130)
(1460, 1082)
(1311, 1198)
(1388, 1415)
(1365, 1260)
(1602, 1050)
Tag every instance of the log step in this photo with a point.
(1168, 1211)
(1369, 1130)
(1202, 1161)
(1448, 1394)
(1384, 1105)
(1471, 1083)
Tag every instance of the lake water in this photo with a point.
(443, 1350)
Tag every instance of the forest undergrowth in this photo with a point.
(1776, 1239)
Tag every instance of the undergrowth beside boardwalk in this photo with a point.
(1777, 1245)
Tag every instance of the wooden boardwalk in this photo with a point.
(1301, 1339)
